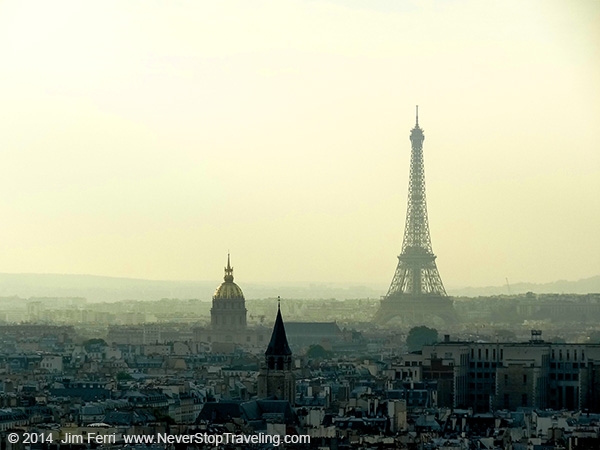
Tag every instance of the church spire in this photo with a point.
(278, 346)
(276, 376)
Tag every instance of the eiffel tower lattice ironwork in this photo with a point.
(416, 294)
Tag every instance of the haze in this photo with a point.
(147, 139)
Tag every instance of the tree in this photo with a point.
(420, 336)
(317, 352)
(94, 343)
(124, 376)
(163, 417)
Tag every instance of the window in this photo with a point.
(524, 400)
(479, 353)
(487, 353)
(524, 378)
(506, 379)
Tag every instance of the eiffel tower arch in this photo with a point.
(416, 295)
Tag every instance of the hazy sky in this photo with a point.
(147, 138)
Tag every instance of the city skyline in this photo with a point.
(147, 141)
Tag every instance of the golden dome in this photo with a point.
(228, 289)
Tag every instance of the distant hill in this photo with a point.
(110, 289)
(99, 288)
(584, 286)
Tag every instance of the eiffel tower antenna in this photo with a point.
(416, 293)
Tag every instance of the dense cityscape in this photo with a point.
(71, 368)
(414, 369)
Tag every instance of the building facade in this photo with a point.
(537, 374)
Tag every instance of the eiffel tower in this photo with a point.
(416, 295)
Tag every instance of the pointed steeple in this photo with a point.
(417, 116)
(278, 346)
(276, 376)
(228, 271)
